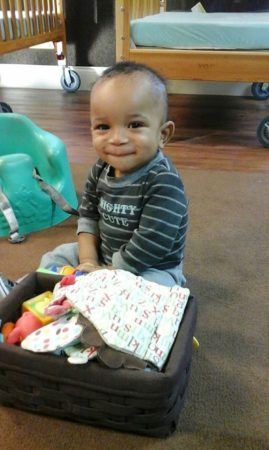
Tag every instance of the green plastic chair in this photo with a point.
(25, 147)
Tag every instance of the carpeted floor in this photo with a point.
(227, 260)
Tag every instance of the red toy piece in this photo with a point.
(25, 325)
(67, 280)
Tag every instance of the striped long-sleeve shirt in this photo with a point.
(141, 218)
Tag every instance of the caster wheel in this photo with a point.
(75, 82)
(263, 132)
(260, 91)
(5, 108)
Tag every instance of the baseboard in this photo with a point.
(43, 77)
(209, 88)
(48, 77)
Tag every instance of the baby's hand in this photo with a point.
(89, 267)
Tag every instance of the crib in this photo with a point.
(25, 23)
(201, 64)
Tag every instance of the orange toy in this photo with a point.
(66, 270)
(6, 329)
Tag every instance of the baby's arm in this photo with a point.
(163, 222)
(88, 231)
(88, 245)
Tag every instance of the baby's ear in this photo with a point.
(167, 130)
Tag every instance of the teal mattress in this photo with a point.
(188, 30)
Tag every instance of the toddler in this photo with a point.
(133, 213)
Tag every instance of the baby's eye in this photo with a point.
(135, 124)
(101, 126)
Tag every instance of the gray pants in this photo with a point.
(67, 255)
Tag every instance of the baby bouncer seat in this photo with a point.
(35, 177)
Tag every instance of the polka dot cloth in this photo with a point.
(54, 336)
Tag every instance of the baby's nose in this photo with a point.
(118, 136)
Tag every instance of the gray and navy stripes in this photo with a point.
(141, 218)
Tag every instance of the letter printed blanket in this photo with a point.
(131, 314)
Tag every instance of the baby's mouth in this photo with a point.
(119, 152)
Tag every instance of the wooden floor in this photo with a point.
(212, 132)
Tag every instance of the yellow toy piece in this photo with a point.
(195, 342)
(37, 305)
(66, 270)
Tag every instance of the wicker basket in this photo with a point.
(144, 402)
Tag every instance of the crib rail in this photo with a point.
(127, 10)
(142, 8)
(24, 23)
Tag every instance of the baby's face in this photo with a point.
(126, 122)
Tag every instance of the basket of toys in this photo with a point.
(145, 401)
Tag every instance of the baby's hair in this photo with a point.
(131, 67)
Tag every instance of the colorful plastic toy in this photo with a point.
(37, 305)
(24, 326)
(66, 270)
(6, 329)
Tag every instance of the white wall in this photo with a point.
(48, 77)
